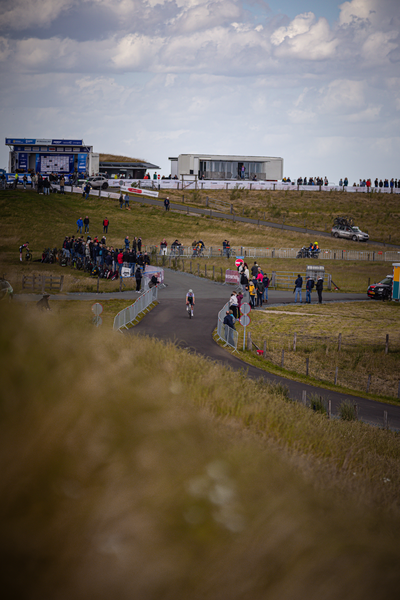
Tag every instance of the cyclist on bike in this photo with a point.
(190, 301)
(22, 248)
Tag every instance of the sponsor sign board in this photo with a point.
(139, 192)
(232, 277)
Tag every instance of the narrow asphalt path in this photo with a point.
(169, 321)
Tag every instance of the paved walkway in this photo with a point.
(169, 321)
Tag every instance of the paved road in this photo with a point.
(169, 321)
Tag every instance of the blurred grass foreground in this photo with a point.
(131, 469)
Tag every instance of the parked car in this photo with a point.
(96, 182)
(381, 290)
(349, 232)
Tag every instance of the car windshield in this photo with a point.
(356, 229)
(386, 281)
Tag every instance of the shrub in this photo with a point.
(317, 404)
(347, 411)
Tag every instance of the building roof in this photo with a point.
(112, 160)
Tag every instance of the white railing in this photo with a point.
(129, 315)
(225, 333)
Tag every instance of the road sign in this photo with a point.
(244, 320)
(97, 309)
(245, 308)
(238, 261)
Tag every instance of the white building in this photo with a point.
(216, 166)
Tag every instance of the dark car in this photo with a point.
(381, 290)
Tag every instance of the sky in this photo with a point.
(316, 83)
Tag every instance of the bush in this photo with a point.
(317, 404)
(347, 411)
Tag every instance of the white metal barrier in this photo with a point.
(224, 332)
(129, 315)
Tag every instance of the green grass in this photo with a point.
(363, 328)
(185, 480)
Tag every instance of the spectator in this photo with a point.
(163, 247)
(121, 200)
(319, 288)
(126, 199)
(298, 284)
(266, 286)
(309, 287)
(62, 184)
(106, 222)
(166, 203)
(126, 242)
(87, 190)
(229, 327)
(79, 224)
(138, 277)
(260, 290)
(86, 224)
(233, 305)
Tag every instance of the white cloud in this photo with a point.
(305, 39)
(301, 24)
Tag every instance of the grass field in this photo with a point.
(184, 481)
(362, 354)
(45, 221)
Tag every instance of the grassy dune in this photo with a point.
(45, 221)
(188, 481)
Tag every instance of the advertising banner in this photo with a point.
(23, 161)
(82, 162)
(139, 192)
(232, 277)
(37, 164)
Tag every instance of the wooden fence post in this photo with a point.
(385, 419)
(198, 269)
(61, 283)
(294, 342)
(340, 342)
(120, 284)
(387, 344)
(190, 267)
(248, 340)
(221, 275)
(329, 408)
(304, 397)
(43, 278)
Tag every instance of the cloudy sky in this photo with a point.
(317, 83)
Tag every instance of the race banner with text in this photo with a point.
(139, 192)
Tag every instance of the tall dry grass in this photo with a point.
(131, 469)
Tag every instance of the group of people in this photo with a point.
(298, 284)
(254, 282)
(309, 181)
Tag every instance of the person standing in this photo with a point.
(309, 287)
(79, 225)
(87, 190)
(319, 288)
(62, 184)
(138, 277)
(229, 323)
(106, 223)
(233, 305)
(266, 285)
(298, 284)
(86, 224)
(252, 292)
(24, 180)
(126, 242)
(260, 291)
(121, 200)
(139, 244)
(126, 199)
(166, 203)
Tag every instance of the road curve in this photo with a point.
(169, 321)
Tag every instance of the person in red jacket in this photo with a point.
(120, 261)
(105, 225)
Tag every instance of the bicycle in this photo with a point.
(189, 309)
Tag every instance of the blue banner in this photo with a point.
(23, 161)
(37, 165)
(82, 162)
